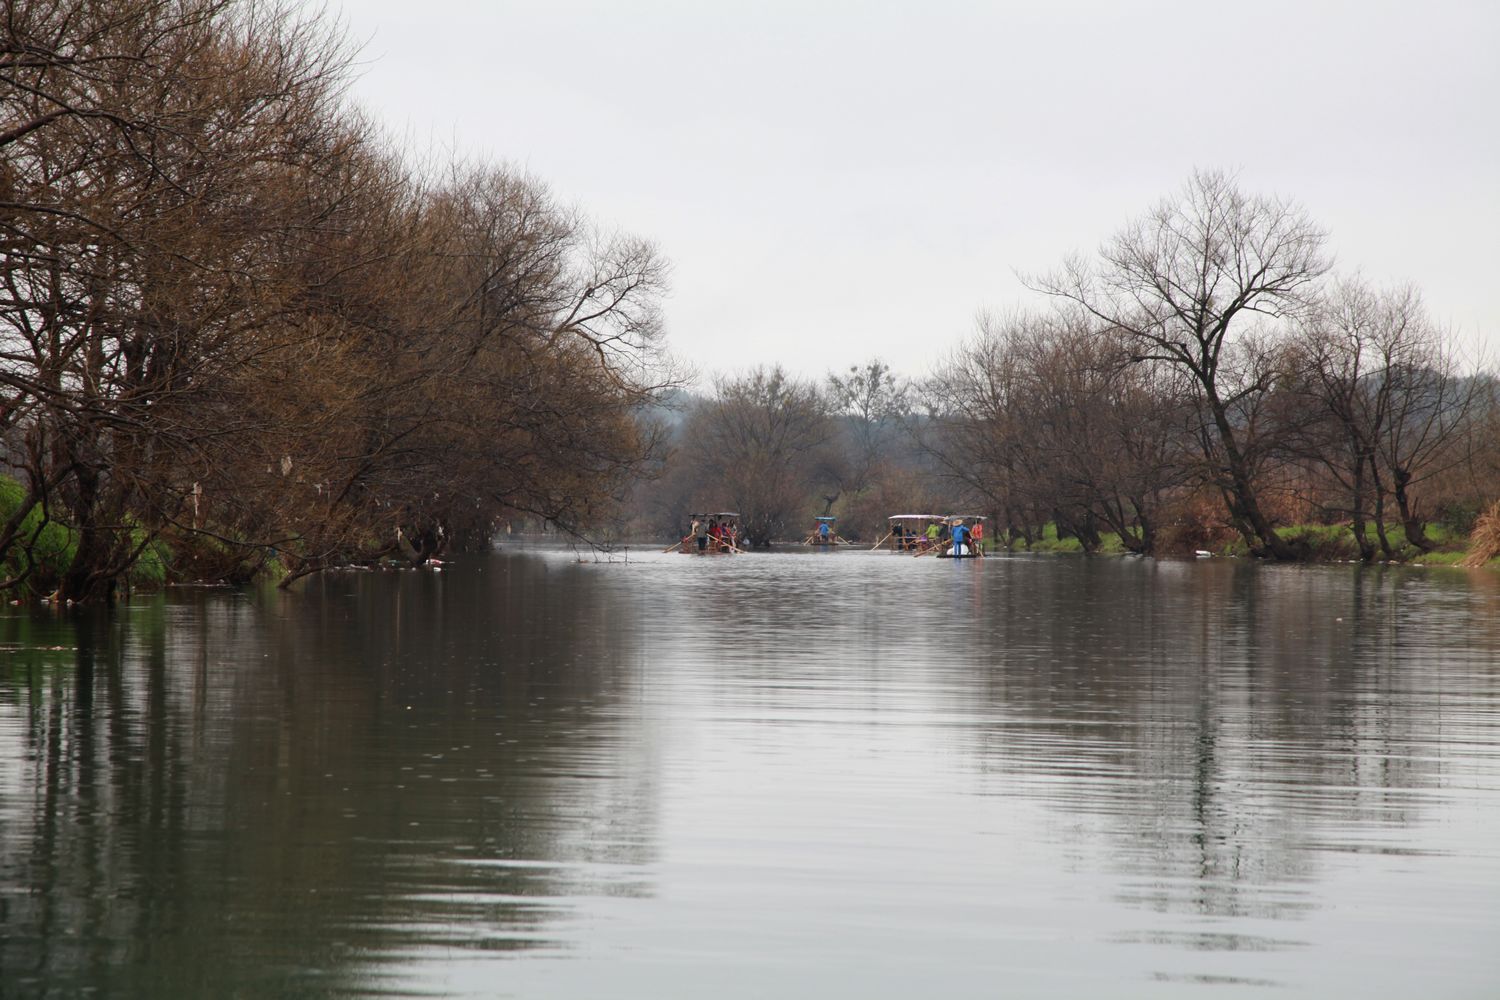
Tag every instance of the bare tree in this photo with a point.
(871, 405)
(1180, 283)
(1114, 436)
(973, 430)
(1046, 418)
(1431, 401)
(1331, 364)
(1397, 406)
(758, 441)
(482, 378)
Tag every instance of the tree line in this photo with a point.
(239, 329)
(241, 332)
(1206, 378)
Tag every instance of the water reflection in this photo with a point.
(287, 793)
(862, 775)
(1221, 733)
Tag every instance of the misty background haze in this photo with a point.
(838, 181)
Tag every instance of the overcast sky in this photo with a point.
(837, 181)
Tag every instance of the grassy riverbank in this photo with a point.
(1320, 543)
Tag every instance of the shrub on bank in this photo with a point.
(45, 546)
(1484, 543)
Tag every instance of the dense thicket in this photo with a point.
(234, 325)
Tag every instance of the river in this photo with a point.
(789, 775)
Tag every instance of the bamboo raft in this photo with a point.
(720, 545)
(818, 537)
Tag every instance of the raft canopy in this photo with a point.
(915, 517)
(825, 517)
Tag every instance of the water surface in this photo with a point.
(822, 775)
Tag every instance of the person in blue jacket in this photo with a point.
(959, 534)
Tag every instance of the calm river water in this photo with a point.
(795, 775)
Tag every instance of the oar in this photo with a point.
(878, 544)
(676, 544)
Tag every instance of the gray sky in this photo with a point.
(836, 181)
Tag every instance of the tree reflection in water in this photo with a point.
(286, 793)
(1225, 736)
(1191, 773)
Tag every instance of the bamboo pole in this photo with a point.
(926, 545)
(878, 544)
(717, 541)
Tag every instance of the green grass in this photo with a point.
(54, 546)
(1049, 542)
(1109, 542)
(1320, 542)
(1443, 559)
(153, 564)
(1335, 543)
(57, 543)
(1447, 537)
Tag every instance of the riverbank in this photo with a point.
(1319, 544)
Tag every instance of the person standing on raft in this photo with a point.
(958, 533)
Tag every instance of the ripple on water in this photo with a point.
(862, 775)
